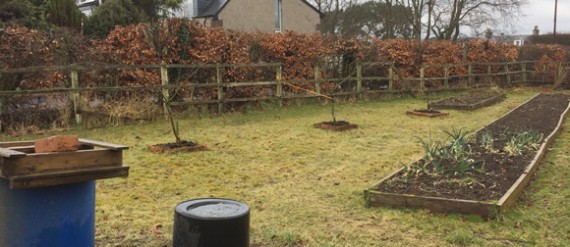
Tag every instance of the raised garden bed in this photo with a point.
(336, 125)
(494, 181)
(468, 102)
(427, 113)
(24, 168)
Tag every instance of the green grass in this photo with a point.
(305, 185)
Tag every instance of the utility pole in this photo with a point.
(555, 13)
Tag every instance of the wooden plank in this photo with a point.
(31, 149)
(9, 153)
(47, 162)
(427, 114)
(57, 178)
(433, 204)
(317, 82)
(279, 85)
(16, 144)
(24, 149)
(249, 84)
(220, 90)
(103, 144)
(74, 95)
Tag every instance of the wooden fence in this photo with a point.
(361, 79)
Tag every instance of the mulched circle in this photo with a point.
(335, 125)
(427, 113)
(499, 169)
(182, 146)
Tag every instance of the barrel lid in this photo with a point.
(212, 208)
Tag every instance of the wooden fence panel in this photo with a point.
(367, 78)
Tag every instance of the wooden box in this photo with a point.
(23, 168)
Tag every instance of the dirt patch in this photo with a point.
(182, 146)
(335, 125)
(495, 170)
(427, 113)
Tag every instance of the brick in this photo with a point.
(65, 143)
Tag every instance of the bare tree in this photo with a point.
(431, 5)
(332, 9)
(379, 19)
(451, 15)
(416, 16)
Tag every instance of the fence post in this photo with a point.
(390, 78)
(446, 77)
(317, 79)
(165, 90)
(359, 80)
(219, 80)
(470, 74)
(507, 73)
(523, 70)
(75, 95)
(543, 74)
(279, 87)
(1, 100)
(489, 72)
(422, 78)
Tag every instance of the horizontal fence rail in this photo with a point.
(208, 84)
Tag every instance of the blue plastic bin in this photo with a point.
(58, 216)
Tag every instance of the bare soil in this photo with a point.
(187, 146)
(498, 170)
(340, 125)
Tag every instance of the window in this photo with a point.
(519, 42)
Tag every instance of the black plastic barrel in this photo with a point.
(211, 222)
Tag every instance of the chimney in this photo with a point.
(535, 31)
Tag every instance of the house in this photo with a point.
(258, 15)
(518, 40)
(87, 7)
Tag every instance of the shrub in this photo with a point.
(64, 13)
(23, 13)
(110, 14)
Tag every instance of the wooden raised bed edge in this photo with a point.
(484, 103)
(23, 168)
(485, 209)
(514, 192)
(425, 114)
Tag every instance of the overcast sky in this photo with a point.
(541, 13)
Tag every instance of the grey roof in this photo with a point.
(210, 7)
(510, 38)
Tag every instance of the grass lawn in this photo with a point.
(305, 185)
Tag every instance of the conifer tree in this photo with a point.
(110, 14)
(64, 13)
